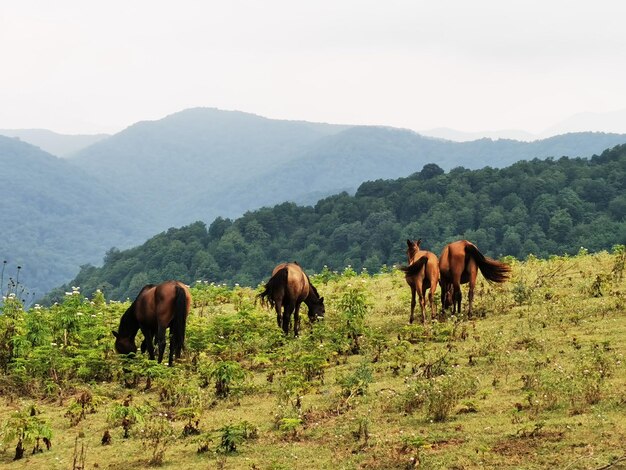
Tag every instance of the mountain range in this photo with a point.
(202, 163)
(61, 145)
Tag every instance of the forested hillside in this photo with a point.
(55, 217)
(542, 207)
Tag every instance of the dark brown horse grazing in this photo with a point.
(421, 274)
(459, 264)
(156, 308)
(288, 287)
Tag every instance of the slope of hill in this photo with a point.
(541, 206)
(61, 145)
(202, 163)
(56, 217)
(341, 162)
(535, 380)
(163, 162)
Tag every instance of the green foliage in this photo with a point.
(233, 435)
(357, 382)
(438, 395)
(352, 307)
(126, 415)
(576, 385)
(229, 378)
(27, 428)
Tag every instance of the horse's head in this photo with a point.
(124, 345)
(413, 246)
(317, 310)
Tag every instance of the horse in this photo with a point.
(459, 264)
(421, 274)
(156, 308)
(288, 287)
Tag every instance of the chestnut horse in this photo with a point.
(459, 264)
(288, 287)
(421, 274)
(156, 308)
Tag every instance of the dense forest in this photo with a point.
(542, 207)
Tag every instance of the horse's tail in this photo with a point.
(415, 267)
(277, 281)
(179, 322)
(493, 270)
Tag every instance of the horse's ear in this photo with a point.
(408, 243)
(418, 242)
(321, 300)
(115, 334)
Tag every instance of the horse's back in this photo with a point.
(297, 287)
(431, 271)
(452, 258)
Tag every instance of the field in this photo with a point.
(535, 380)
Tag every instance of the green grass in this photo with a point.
(536, 380)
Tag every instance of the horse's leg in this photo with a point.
(278, 305)
(412, 317)
(161, 341)
(288, 309)
(472, 284)
(296, 319)
(172, 348)
(431, 300)
(149, 341)
(457, 296)
(422, 296)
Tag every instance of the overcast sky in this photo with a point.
(86, 66)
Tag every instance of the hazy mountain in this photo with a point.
(55, 217)
(343, 161)
(201, 163)
(162, 163)
(614, 121)
(462, 136)
(61, 145)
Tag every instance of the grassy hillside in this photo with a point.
(536, 380)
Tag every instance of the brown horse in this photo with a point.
(459, 264)
(156, 308)
(288, 287)
(421, 274)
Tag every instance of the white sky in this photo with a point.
(86, 66)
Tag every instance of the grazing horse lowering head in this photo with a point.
(124, 345)
(156, 308)
(316, 306)
(288, 287)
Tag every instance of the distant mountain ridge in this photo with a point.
(60, 145)
(202, 163)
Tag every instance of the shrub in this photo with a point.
(27, 428)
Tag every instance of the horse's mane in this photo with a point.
(312, 287)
